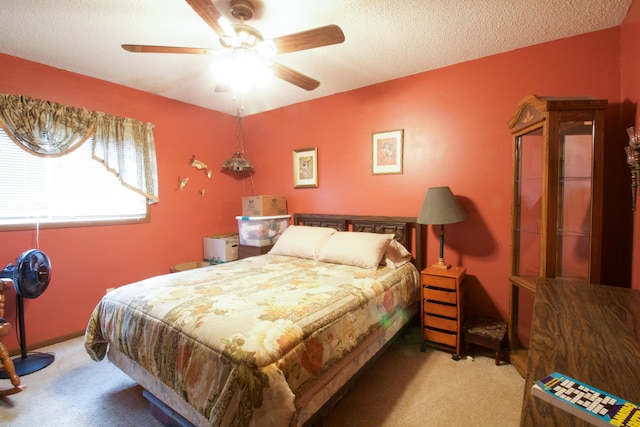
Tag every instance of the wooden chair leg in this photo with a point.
(7, 364)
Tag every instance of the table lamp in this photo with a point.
(440, 207)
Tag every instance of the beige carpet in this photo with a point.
(405, 387)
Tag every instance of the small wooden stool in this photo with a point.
(487, 332)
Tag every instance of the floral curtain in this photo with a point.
(125, 146)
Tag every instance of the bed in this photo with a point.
(274, 339)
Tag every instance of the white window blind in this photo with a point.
(73, 188)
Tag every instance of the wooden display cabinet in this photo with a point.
(442, 308)
(558, 160)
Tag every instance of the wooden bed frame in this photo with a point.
(406, 230)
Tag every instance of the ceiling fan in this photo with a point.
(243, 40)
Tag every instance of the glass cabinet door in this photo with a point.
(528, 203)
(574, 199)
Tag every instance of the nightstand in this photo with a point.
(442, 308)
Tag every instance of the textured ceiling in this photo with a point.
(385, 39)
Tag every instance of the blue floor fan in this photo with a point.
(30, 274)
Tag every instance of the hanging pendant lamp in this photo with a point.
(238, 162)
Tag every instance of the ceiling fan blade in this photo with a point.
(141, 48)
(322, 36)
(294, 77)
(209, 14)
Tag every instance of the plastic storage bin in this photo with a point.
(261, 230)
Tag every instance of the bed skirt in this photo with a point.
(310, 405)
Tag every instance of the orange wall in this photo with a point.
(630, 94)
(455, 124)
(88, 260)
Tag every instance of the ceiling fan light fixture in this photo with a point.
(227, 28)
(239, 35)
(248, 37)
(266, 48)
(235, 37)
(241, 70)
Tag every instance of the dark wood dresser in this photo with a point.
(245, 251)
(587, 332)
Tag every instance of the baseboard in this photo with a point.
(45, 343)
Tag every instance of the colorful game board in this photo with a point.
(588, 403)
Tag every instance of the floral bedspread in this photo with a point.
(237, 341)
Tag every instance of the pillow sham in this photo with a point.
(354, 248)
(301, 241)
(396, 255)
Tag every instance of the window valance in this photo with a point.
(125, 146)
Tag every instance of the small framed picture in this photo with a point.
(387, 152)
(305, 167)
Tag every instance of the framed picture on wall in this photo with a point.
(305, 167)
(386, 152)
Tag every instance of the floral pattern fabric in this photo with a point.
(238, 341)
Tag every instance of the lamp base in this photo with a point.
(441, 264)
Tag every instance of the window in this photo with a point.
(48, 171)
(68, 190)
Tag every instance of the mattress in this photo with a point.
(259, 341)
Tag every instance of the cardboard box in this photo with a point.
(264, 206)
(261, 230)
(221, 248)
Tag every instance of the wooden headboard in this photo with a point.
(405, 229)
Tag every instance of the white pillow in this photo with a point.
(301, 241)
(354, 248)
(396, 255)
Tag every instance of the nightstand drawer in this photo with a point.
(440, 282)
(440, 337)
(439, 295)
(440, 309)
(444, 323)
